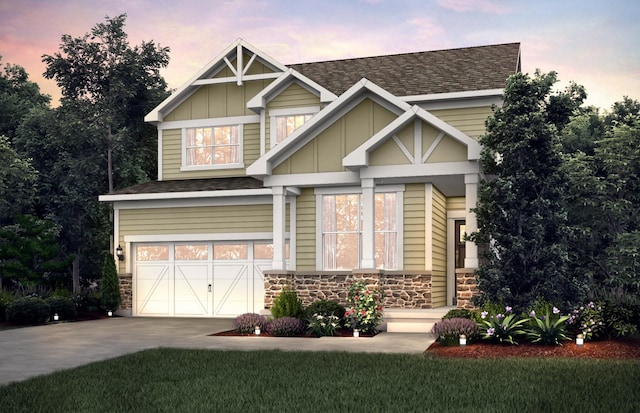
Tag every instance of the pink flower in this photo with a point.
(363, 312)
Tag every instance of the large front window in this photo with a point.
(219, 145)
(342, 231)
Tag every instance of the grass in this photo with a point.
(173, 380)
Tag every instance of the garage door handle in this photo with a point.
(209, 287)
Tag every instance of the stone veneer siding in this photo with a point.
(466, 287)
(401, 289)
(126, 291)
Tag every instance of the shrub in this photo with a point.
(6, 298)
(323, 325)
(448, 330)
(287, 304)
(326, 308)
(286, 327)
(246, 323)
(501, 327)
(459, 313)
(87, 301)
(109, 284)
(28, 310)
(63, 306)
(589, 320)
(548, 328)
(365, 310)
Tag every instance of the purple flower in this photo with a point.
(532, 313)
(490, 331)
(507, 309)
(499, 316)
(484, 314)
(556, 311)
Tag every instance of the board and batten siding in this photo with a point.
(294, 96)
(467, 120)
(325, 152)
(439, 249)
(414, 227)
(306, 231)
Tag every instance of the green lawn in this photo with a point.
(226, 381)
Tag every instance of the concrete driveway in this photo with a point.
(32, 351)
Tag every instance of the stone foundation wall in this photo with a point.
(126, 291)
(401, 290)
(466, 287)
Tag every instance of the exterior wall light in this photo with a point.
(463, 340)
(579, 340)
(120, 253)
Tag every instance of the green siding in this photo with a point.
(439, 257)
(294, 96)
(306, 231)
(468, 120)
(414, 227)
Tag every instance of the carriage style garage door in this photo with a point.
(200, 279)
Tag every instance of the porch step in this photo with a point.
(412, 321)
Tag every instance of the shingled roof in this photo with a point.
(421, 73)
(192, 185)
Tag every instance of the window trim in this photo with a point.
(240, 164)
(397, 189)
(275, 113)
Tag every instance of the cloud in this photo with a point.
(466, 6)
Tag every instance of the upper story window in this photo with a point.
(215, 146)
(285, 121)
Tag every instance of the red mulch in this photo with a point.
(628, 348)
(339, 333)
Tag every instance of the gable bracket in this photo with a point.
(403, 148)
(432, 147)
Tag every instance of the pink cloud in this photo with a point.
(465, 6)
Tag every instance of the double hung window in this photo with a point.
(213, 146)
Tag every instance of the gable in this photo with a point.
(325, 151)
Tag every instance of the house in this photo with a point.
(310, 175)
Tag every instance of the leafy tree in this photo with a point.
(120, 84)
(30, 255)
(521, 214)
(18, 96)
(17, 183)
(109, 285)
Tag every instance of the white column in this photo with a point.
(279, 214)
(368, 259)
(471, 198)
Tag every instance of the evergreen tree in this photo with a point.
(109, 284)
(521, 212)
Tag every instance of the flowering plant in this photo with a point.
(323, 325)
(365, 310)
(501, 327)
(588, 320)
(550, 328)
(448, 330)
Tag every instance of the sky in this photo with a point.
(592, 43)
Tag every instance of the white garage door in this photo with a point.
(203, 279)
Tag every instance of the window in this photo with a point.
(286, 125)
(211, 146)
(342, 231)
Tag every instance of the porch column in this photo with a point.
(471, 198)
(368, 259)
(279, 214)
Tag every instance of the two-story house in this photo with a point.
(309, 175)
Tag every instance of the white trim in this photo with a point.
(453, 95)
(433, 146)
(417, 140)
(210, 122)
(313, 179)
(345, 190)
(229, 236)
(452, 217)
(275, 113)
(185, 195)
(428, 227)
(263, 132)
(422, 170)
(160, 155)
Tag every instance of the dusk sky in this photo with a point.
(593, 43)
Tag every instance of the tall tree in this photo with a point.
(119, 82)
(17, 183)
(521, 214)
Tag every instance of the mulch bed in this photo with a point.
(628, 348)
(339, 333)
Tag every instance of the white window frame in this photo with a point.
(320, 192)
(276, 113)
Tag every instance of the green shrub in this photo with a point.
(448, 331)
(365, 308)
(6, 298)
(459, 313)
(287, 304)
(87, 301)
(286, 327)
(326, 308)
(323, 325)
(63, 306)
(548, 328)
(588, 320)
(28, 310)
(503, 326)
(109, 284)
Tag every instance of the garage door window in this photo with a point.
(192, 252)
(152, 253)
(230, 252)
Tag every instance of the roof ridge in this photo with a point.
(403, 54)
